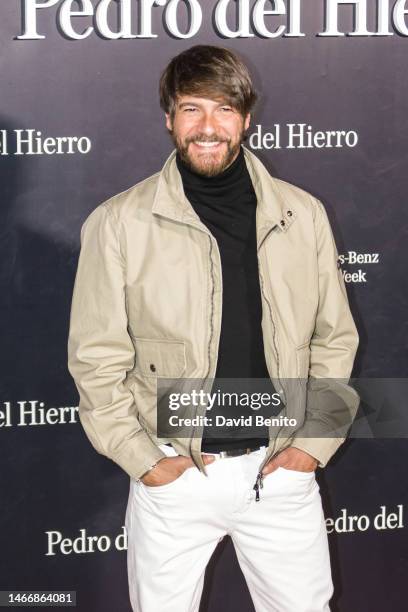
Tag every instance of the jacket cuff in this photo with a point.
(138, 455)
(321, 449)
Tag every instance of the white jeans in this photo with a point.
(280, 541)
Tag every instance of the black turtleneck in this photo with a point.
(226, 204)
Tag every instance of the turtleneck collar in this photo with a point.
(229, 193)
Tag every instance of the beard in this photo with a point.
(207, 163)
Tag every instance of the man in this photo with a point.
(213, 268)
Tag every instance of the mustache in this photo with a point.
(206, 139)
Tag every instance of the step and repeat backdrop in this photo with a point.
(79, 122)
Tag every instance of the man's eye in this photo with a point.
(188, 109)
(226, 108)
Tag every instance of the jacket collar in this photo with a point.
(272, 210)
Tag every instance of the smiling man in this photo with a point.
(213, 269)
(207, 133)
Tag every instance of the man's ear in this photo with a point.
(169, 124)
(247, 121)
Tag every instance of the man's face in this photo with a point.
(206, 133)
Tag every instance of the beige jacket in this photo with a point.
(148, 292)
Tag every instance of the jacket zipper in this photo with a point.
(211, 321)
(259, 478)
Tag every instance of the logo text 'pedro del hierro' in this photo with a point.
(33, 142)
(118, 19)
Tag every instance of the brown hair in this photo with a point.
(210, 72)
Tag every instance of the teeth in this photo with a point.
(207, 144)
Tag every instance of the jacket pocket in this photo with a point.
(303, 360)
(159, 358)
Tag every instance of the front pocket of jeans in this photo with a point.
(297, 472)
(168, 485)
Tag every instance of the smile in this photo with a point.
(207, 145)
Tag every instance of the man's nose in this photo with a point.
(208, 124)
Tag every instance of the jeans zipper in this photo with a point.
(258, 485)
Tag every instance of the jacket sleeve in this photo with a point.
(100, 351)
(331, 403)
